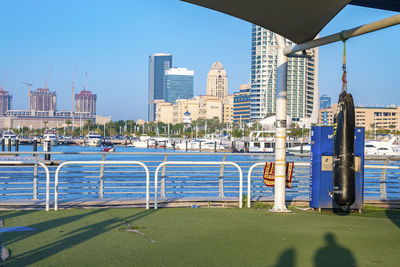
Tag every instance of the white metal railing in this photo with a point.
(101, 162)
(198, 163)
(303, 164)
(307, 164)
(33, 163)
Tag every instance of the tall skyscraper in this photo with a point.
(217, 81)
(178, 84)
(85, 102)
(158, 64)
(325, 101)
(302, 78)
(42, 100)
(5, 102)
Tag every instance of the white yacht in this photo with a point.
(93, 139)
(50, 135)
(305, 148)
(203, 144)
(260, 144)
(382, 148)
(9, 136)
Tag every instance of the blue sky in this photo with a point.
(111, 41)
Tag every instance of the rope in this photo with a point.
(344, 76)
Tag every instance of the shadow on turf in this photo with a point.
(287, 258)
(394, 216)
(332, 254)
(71, 238)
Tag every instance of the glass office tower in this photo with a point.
(158, 64)
(178, 84)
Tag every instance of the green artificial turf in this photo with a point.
(202, 237)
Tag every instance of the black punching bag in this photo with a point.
(344, 190)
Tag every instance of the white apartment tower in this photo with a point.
(217, 81)
(302, 78)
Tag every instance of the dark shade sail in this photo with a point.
(297, 20)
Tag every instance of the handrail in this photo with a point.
(47, 176)
(305, 164)
(101, 162)
(198, 163)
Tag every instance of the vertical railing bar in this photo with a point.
(101, 180)
(221, 178)
(163, 178)
(35, 179)
(383, 181)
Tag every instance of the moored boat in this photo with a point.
(93, 139)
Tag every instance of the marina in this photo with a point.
(118, 179)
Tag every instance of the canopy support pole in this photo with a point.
(347, 34)
(280, 129)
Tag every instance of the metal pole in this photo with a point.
(280, 129)
(347, 34)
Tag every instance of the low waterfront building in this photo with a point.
(185, 105)
(368, 117)
(228, 109)
(200, 107)
(41, 119)
(164, 112)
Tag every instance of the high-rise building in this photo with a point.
(158, 64)
(5, 102)
(302, 78)
(217, 81)
(241, 105)
(325, 101)
(178, 84)
(42, 100)
(85, 102)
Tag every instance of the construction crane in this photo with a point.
(73, 99)
(29, 93)
(4, 80)
(48, 77)
(84, 84)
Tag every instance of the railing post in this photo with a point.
(383, 182)
(163, 178)
(35, 178)
(101, 180)
(221, 178)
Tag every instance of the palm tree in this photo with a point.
(68, 122)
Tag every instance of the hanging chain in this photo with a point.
(344, 76)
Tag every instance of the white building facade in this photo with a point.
(302, 79)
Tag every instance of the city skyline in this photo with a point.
(112, 43)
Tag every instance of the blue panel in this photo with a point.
(321, 181)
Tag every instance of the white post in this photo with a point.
(280, 129)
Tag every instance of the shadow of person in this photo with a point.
(286, 259)
(394, 216)
(333, 254)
